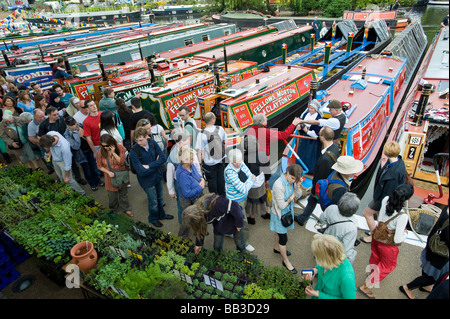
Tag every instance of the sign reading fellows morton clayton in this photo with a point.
(272, 102)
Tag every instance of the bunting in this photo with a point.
(7, 22)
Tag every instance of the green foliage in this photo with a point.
(44, 237)
(335, 8)
(108, 272)
(282, 281)
(94, 232)
(151, 283)
(253, 291)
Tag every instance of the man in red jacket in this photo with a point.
(265, 136)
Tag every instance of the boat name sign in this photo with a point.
(274, 101)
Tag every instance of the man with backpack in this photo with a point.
(146, 159)
(210, 148)
(330, 190)
(322, 169)
(190, 127)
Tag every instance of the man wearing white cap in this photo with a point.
(336, 122)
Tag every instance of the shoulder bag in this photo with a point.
(286, 219)
(435, 243)
(17, 141)
(121, 177)
(385, 235)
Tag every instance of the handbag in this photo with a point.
(121, 177)
(17, 141)
(286, 219)
(119, 125)
(435, 243)
(385, 235)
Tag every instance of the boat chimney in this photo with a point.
(423, 101)
(5, 57)
(257, 81)
(363, 74)
(313, 41)
(42, 53)
(284, 52)
(140, 51)
(314, 86)
(6, 46)
(102, 67)
(225, 57)
(150, 70)
(216, 77)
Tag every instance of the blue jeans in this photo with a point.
(155, 202)
(218, 241)
(180, 209)
(216, 179)
(62, 74)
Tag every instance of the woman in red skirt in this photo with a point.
(383, 257)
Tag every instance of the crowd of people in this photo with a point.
(227, 188)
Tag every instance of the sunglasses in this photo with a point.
(145, 122)
(105, 146)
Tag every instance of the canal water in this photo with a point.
(431, 17)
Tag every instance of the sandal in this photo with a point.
(403, 290)
(369, 295)
(129, 213)
(364, 241)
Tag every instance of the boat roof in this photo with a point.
(234, 47)
(277, 76)
(438, 66)
(174, 66)
(198, 77)
(245, 45)
(378, 69)
(363, 100)
(201, 46)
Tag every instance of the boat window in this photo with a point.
(227, 32)
(188, 42)
(264, 53)
(205, 37)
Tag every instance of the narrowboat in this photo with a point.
(274, 91)
(100, 41)
(421, 127)
(177, 10)
(260, 49)
(94, 17)
(333, 55)
(251, 19)
(341, 47)
(371, 93)
(164, 101)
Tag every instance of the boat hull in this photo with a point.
(89, 17)
(425, 144)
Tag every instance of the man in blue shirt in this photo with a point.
(58, 148)
(147, 159)
(63, 96)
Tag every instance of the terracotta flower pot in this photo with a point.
(84, 256)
